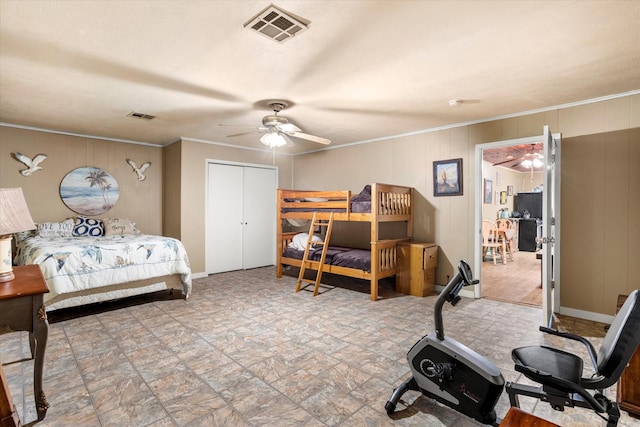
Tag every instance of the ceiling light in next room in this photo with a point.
(277, 24)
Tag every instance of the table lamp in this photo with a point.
(14, 218)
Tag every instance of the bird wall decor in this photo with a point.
(32, 165)
(139, 170)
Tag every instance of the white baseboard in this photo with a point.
(587, 315)
(580, 314)
(198, 275)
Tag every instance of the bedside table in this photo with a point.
(22, 309)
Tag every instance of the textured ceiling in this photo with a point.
(363, 70)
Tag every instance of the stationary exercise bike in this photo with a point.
(450, 372)
(458, 377)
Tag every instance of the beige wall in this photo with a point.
(448, 221)
(140, 201)
(600, 219)
(194, 156)
(171, 194)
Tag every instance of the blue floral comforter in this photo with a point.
(71, 264)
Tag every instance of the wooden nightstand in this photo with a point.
(416, 273)
(22, 309)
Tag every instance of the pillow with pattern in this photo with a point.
(88, 227)
(119, 226)
(55, 229)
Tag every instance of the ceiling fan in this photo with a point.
(277, 129)
(530, 160)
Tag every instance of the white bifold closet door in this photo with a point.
(241, 217)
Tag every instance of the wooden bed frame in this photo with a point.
(121, 290)
(389, 203)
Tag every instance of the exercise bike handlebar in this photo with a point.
(463, 277)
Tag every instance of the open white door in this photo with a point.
(551, 227)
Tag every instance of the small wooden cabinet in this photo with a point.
(628, 384)
(416, 274)
(22, 309)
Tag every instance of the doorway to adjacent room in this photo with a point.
(547, 226)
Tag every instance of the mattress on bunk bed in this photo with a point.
(361, 203)
(358, 259)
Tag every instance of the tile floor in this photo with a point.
(246, 350)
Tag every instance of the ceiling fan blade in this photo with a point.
(289, 142)
(507, 161)
(308, 137)
(240, 134)
(288, 127)
(255, 129)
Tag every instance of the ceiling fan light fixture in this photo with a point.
(273, 139)
(536, 163)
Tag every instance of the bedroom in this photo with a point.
(170, 200)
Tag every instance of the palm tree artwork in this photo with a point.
(89, 190)
(98, 178)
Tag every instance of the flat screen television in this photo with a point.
(531, 202)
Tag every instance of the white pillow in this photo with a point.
(56, 229)
(299, 241)
(119, 226)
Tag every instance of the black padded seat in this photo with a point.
(559, 373)
(537, 362)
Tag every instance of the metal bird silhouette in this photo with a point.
(31, 164)
(139, 170)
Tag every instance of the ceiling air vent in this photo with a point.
(141, 116)
(277, 24)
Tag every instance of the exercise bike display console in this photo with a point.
(448, 371)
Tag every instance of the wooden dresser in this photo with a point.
(416, 273)
(628, 385)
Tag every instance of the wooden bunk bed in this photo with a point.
(388, 203)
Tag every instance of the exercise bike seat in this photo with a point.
(547, 365)
(559, 373)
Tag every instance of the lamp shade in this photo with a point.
(14, 213)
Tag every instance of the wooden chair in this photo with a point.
(508, 230)
(491, 240)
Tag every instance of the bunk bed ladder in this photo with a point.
(305, 259)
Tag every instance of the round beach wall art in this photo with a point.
(89, 190)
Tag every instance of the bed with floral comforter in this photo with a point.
(81, 270)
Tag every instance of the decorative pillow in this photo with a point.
(121, 226)
(299, 241)
(88, 227)
(55, 229)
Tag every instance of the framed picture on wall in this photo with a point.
(447, 178)
(496, 198)
(488, 191)
(503, 197)
(509, 190)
